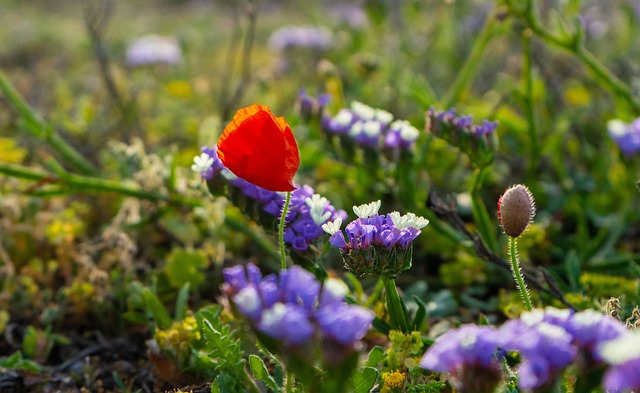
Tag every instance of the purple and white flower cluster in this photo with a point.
(548, 341)
(371, 128)
(625, 135)
(153, 49)
(464, 123)
(376, 244)
(294, 307)
(307, 210)
(312, 37)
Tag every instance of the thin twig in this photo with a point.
(447, 212)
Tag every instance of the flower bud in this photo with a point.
(516, 209)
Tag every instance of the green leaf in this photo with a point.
(259, 370)
(30, 342)
(181, 303)
(154, 307)
(421, 314)
(364, 380)
(183, 267)
(376, 355)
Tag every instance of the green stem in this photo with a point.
(517, 273)
(86, 184)
(397, 316)
(479, 209)
(37, 127)
(470, 66)
(574, 45)
(283, 216)
(527, 75)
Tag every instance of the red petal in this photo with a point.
(260, 148)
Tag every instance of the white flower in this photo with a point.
(201, 163)
(356, 129)
(383, 116)
(617, 128)
(406, 131)
(621, 349)
(408, 220)
(316, 205)
(372, 128)
(364, 111)
(344, 117)
(367, 210)
(333, 226)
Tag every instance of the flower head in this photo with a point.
(374, 243)
(260, 148)
(626, 136)
(294, 306)
(623, 354)
(153, 49)
(367, 210)
(469, 355)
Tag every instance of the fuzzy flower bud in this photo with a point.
(516, 209)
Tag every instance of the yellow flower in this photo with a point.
(394, 380)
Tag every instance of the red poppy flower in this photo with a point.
(260, 148)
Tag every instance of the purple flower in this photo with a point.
(319, 38)
(623, 354)
(345, 323)
(547, 350)
(469, 354)
(286, 322)
(294, 306)
(591, 328)
(371, 128)
(374, 243)
(626, 136)
(153, 49)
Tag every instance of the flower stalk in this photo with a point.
(517, 273)
(283, 216)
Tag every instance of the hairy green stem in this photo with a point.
(37, 127)
(285, 210)
(470, 66)
(517, 273)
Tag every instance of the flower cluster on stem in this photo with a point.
(374, 243)
(293, 307)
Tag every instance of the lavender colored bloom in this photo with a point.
(153, 49)
(293, 307)
(345, 323)
(547, 350)
(374, 243)
(469, 354)
(437, 121)
(626, 136)
(371, 128)
(319, 38)
(287, 322)
(354, 17)
(590, 329)
(623, 354)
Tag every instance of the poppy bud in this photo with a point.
(516, 209)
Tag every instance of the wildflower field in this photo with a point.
(320, 196)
